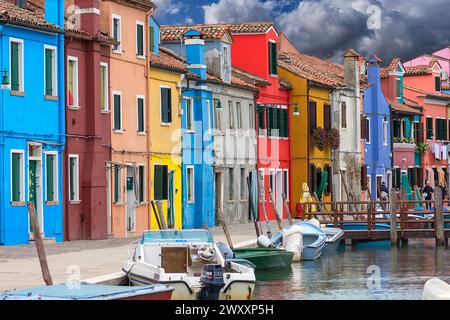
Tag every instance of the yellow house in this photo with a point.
(165, 75)
(311, 157)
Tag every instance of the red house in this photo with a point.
(88, 123)
(254, 50)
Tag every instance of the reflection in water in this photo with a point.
(345, 275)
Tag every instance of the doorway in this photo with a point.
(170, 202)
(218, 199)
(35, 183)
(108, 197)
(131, 199)
(279, 191)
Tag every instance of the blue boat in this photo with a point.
(90, 292)
(314, 239)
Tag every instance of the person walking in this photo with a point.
(428, 193)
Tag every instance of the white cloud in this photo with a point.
(167, 7)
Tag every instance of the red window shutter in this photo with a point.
(326, 117)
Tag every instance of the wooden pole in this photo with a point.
(161, 214)
(393, 216)
(224, 227)
(39, 245)
(251, 207)
(263, 205)
(156, 214)
(286, 207)
(439, 212)
(277, 216)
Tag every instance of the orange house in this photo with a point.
(127, 22)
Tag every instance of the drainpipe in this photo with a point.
(2, 149)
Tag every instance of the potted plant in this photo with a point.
(333, 138)
(421, 148)
(319, 137)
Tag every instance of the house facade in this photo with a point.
(376, 131)
(88, 129)
(32, 132)
(128, 173)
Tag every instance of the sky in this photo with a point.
(326, 28)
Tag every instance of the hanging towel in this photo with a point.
(444, 152)
(437, 151)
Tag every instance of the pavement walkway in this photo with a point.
(19, 265)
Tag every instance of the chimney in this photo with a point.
(373, 70)
(88, 16)
(54, 12)
(351, 69)
(195, 52)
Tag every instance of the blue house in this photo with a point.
(376, 129)
(197, 138)
(32, 133)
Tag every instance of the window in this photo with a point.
(16, 64)
(284, 123)
(441, 129)
(117, 33)
(367, 125)
(104, 89)
(72, 82)
(74, 178)
(326, 117)
(51, 169)
(272, 180)
(152, 38)
(251, 117)
(189, 115)
(327, 169)
(231, 114)
(343, 114)
(437, 83)
(286, 183)
(141, 177)
(243, 184)
(50, 71)
(262, 191)
(166, 105)
(140, 39)
(398, 92)
(312, 179)
(429, 128)
(225, 57)
(117, 126)
(272, 122)
(161, 181)
(312, 111)
(273, 66)
(117, 183)
(217, 115)
(190, 185)
(17, 176)
(261, 120)
(239, 115)
(385, 132)
(140, 114)
(396, 125)
(208, 115)
(230, 184)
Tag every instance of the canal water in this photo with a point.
(366, 271)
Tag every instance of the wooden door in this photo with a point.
(174, 260)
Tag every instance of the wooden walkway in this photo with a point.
(395, 220)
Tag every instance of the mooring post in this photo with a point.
(393, 216)
(439, 212)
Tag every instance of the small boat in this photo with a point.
(334, 237)
(90, 292)
(266, 258)
(314, 239)
(436, 289)
(191, 263)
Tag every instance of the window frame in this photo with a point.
(437, 83)
(368, 135)
(54, 71)
(140, 97)
(142, 184)
(217, 115)
(271, 66)
(251, 116)
(105, 108)
(286, 183)
(191, 121)
(161, 105)
(344, 115)
(21, 62)
(119, 185)
(231, 180)
(190, 184)
(119, 48)
(77, 180)
(231, 124)
(76, 104)
(427, 130)
(272, 178)
(21, 177)
(142, 24)
(120, 130)
(55, 176)
(384, 132)
(261, 176)
(238, 115)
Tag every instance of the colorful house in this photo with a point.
(32, 132)
(164, 117)
(88, 121)
(376, 130)
(406, 128)
(422, 85)
(234, 119)
(127, 175)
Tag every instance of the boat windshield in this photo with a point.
(177, 236)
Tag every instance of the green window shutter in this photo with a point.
(15, 173)
(165, 181)
(270, 58)
(15, 66)
(50, 179)
(285, 123)
(166, 105)
(48, 72)
(140, 39)
(117, 112)
(269, 121)
(169, 105)
(158, 183)
(152, 39)
(141, 184)
(141, 115)
(116, 32)
(273, 58)
(116, 183)
(72, 178)
(280, 125)
(261, 123)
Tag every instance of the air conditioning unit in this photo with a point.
(444, 75)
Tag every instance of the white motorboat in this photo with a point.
(436, 289)
(334, 237)
(191, 263)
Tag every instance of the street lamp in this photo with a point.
(5, 80)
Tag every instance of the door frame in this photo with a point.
(39, 182)
(279, 190)
(133, 229)
(109, 198)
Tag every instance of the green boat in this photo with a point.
(266, 258)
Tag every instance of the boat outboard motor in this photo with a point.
(225, 250)
(264, 242)
(211, 281)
